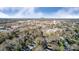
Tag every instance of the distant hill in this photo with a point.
(3, 20)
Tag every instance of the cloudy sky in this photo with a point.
(39, 12)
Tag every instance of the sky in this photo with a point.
(39, 12)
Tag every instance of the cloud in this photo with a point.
(10, 10)
(2, 15)
(29, 12)
(67, 13)
(21, 13)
